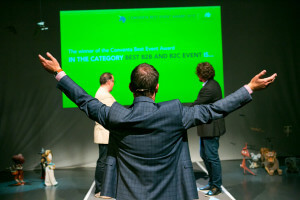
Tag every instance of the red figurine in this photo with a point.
(245, 153)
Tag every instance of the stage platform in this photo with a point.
(78, 184)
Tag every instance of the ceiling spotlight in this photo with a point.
(42, 26)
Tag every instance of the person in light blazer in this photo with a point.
(101, 135)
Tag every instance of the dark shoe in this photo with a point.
(207, 187)
(213, 192)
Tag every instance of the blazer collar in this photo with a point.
(143, 99)
(206, 82)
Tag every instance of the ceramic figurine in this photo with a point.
(50, 166)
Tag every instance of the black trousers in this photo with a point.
(100, 166)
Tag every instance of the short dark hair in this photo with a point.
(143, 80)
(105, 77)
(205, 70)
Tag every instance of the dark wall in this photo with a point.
(256, 35)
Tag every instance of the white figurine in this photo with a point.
(255, 160)
(50, 166)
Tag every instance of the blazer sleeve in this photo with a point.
(92, 107)
(202, 114)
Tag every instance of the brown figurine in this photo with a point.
(17, 169)
(270, 161)
(263, 151)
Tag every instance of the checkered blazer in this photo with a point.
(148, 156)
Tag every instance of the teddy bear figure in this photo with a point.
(291, 165)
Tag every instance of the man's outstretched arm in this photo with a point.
(93, 108)
(201, 114)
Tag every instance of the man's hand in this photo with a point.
(50, 65)
(258, 83)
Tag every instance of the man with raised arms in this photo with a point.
(148, 154)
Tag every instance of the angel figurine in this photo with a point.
(49, 171)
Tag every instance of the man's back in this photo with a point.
(150, 143)
(126, 175)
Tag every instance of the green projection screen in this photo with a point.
(173, 40)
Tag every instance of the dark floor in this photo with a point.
(262, 186)
(75, 183)
(72, 184)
